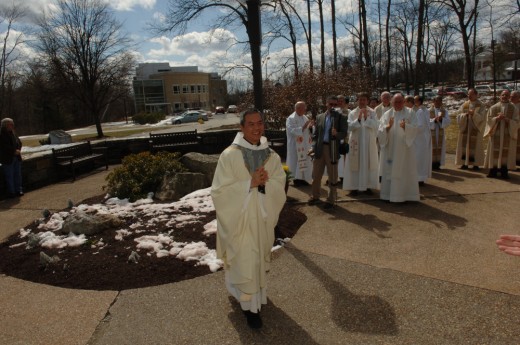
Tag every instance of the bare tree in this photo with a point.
(322, 32)
(11, 40)
(233, 14)
(466, 12)
(89, 55)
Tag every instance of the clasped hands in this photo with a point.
(259, 178)
(501, 117)
(402, 124)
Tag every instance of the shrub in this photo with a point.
(151, 118)
(141, 174)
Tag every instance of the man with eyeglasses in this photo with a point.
(398, 167)
(331, 127)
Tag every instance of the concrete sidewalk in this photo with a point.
(367, 272)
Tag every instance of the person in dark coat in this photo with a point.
(11, 158)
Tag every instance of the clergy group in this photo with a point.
(394, 146)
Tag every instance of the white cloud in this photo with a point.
(129, 5)
(199, 43)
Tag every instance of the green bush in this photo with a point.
(151, 118)
(141, 174)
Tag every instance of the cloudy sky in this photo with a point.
(199, 46)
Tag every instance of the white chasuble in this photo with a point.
(397, 162)
(246, 217)
(362, 161)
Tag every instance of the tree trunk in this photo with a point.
(322, 29)
(334, 46)
(420, 40)
(388, 52)
(309, 37)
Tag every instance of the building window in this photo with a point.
(199, 88)
(176, 106)
(186, 105)
(176, 89)
(185, 88)
(204, 88)
(193, 88)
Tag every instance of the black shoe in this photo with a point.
(353, 193)
(20, 194)
(369, 191)
(464, 167)
(253, 319)
(313, 201)
(476, 168)
(11, 195)
(421, 183)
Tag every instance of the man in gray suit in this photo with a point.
(331, 127)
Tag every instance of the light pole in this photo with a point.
(265, 62)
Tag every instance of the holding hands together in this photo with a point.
(260, 177)
(390, 123)
(509, 244)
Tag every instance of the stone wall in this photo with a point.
(39, 170)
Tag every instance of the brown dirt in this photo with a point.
(108, 269)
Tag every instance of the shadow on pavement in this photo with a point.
(425, 213)
(366, 221)
(351, 312)
(278, 328)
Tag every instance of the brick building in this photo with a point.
(159, 87)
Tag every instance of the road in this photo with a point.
(214, 122)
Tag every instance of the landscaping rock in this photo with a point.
(89, 224)
(201, 163)
(176, 186)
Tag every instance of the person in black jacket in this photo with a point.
(11, 158)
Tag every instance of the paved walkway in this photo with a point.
(368, 272)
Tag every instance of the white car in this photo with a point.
(232, 109)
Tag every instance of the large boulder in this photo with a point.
(201, 163)
(176, 186)
(90, 223)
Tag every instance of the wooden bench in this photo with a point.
(175, 141)
(81, 154)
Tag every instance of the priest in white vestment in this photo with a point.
(471, 120)
(502, 131)
(423, 142)
(248, 194)
(385, 105)
(299, 142)
(361, 163)
(439, 121)
(397, 132)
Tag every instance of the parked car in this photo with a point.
(220, 110)
(189, 116)
(452, 91)
(483, 89)
(232, 109)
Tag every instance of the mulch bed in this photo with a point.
(88, 268)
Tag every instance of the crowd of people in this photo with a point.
(393, 145)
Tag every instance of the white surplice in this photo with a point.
(299, 142)
(423, 145)
(397, 163)
(361, 164)
(245, 220)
